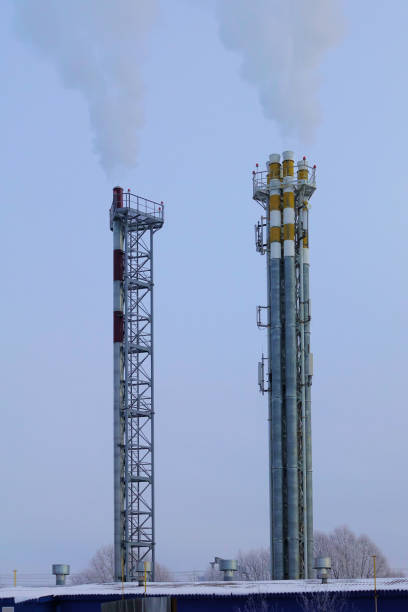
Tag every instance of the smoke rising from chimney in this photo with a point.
(283, 45)
(97, 47)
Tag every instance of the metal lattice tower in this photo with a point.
(134, 221)
(286, 373)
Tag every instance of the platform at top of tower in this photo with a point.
(138, 211)
(262, 188)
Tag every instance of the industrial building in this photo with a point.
(285, 373)
(277, 596)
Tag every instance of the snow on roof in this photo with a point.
(20, 593)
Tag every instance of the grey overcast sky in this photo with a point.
(204, 128)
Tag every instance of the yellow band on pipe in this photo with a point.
(275, 234)
(288, 199)
(288, 167)
(303, 174)
(289, 231)
(305, 240)
(274, 170)
(274, 202)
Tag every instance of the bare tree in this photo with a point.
(254, 565)
(162, 573)
(101, 569)
(351, 556)
(212, 575)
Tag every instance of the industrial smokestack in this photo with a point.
(282, 234)
(133, 220)
(118, 229)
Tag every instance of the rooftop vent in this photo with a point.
(60, 571)
(228, 566)
(323, 567)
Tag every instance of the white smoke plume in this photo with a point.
(97, 47)
(282, 44)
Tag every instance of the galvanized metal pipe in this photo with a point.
(302, 383)
(290, 368)
(301, 204)
(270, 427)
(126, 548)
(276, 421)
(269, 342)
(291, 419)
(153, 553)
(275, 395)
(308, 398)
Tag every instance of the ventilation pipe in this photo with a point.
(60, 571)
(323, 567)
(228, 566)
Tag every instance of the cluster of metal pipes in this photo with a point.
(286, 372)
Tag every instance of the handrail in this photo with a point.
(260, 179)
(133, 202)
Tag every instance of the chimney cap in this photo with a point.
(60, 569)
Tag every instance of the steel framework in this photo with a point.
(134, 221)
(285, 374)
